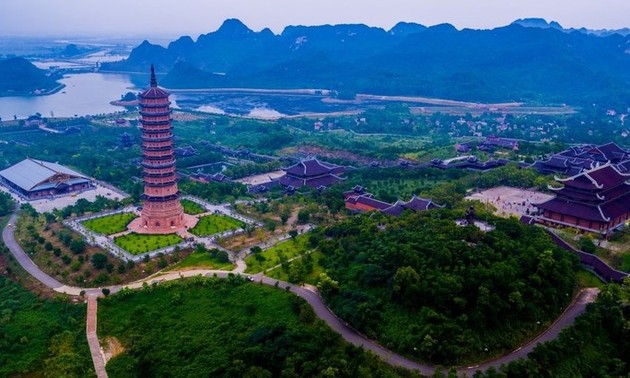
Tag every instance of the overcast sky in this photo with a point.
(159, 18)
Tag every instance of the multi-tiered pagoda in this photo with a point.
(597, 200)
(161, 211)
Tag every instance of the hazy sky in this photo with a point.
(153, 18)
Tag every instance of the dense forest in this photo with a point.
(39, 336)
(227, 328)
(598, 345)
(435, 291)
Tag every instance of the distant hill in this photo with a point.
(530, 60)
(19, 76)
(543, 24)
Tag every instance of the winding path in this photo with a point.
(308, 293)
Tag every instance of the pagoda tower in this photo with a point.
(161, 211)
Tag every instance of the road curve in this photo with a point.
(310, 294)
(22, 258)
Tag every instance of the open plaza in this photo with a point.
(510, 201)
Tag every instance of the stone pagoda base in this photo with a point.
(188, 222)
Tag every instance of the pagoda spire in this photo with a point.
(153, 79)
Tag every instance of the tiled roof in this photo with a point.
(582, 211)
(419, 204)
(369, 201)
(326, 180)
(29, 173)
(312, 167)
(394, 210)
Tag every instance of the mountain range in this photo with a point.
(529, 60)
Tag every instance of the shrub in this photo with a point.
(99, 260)
(77, 246)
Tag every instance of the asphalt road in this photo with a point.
(310, 294)
(22, 258)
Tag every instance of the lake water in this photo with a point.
(84, 94)
(91, 93)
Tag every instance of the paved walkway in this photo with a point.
(309, 294)
(90, 330)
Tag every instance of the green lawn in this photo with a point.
(110, 224)
(207, 327)
(202, 260)
(588, 279)
(310, 278)
(214, 224)
(40, 337)
(192, 208)
(141, 243)
(275, 255)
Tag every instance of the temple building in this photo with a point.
(311, 173)
(35, 179)
(358, 201)
(415, 204)
(576, 160)
(597, 200)
(161, 210)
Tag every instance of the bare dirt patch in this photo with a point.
(112, 347)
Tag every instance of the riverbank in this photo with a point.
(36, 93)
(124, 103)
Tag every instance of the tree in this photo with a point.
(270, 225)
(404, 279)
(296, 271)
(285, 215)
(303, 216)
(327, 285)
(293, 234)
(77, 246)
(99, 260)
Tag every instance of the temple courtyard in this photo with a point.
(510, 201)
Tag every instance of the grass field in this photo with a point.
(192, 208)
(201, 260)
(588, 279)
(110, 224)
(275, 255)
(311, 278)
(141, 243)
(214, 224)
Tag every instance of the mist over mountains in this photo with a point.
(530, 60)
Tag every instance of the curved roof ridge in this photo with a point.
(607, 219)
